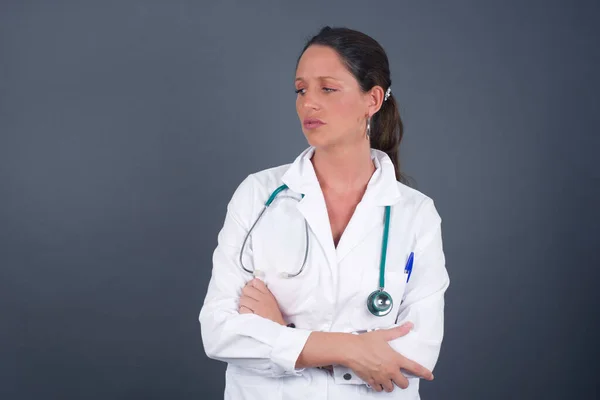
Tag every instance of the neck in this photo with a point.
(344, 169)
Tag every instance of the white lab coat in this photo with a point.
(330, 294)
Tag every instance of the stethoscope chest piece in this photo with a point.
(380, 303)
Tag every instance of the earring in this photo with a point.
(369, 128)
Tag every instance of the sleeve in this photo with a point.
(423, 303)
(247, 340)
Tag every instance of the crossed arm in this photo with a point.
(264, 345)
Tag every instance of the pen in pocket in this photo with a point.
(409, 265)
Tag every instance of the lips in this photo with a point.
(312, 123)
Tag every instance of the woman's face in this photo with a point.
(330, 104)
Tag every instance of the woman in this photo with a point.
(315, 320)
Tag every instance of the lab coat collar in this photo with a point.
(382, 189)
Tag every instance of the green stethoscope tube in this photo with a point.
(268, 203)
(380, 302)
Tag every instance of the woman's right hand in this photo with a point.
(378, 364)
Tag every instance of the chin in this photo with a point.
(319, 138)
(325, 140)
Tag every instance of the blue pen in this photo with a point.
(409, 265)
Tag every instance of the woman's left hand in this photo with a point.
(257, 298)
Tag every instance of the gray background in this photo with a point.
(125, 127)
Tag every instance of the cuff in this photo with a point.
(287, 349)
(345, 376)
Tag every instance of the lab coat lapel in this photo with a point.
(364, 221)
(368, 216)
(314, 210)
(301, 178)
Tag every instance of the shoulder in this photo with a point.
(421, 206)
(411, 196)
(256, 188)
(269, 179)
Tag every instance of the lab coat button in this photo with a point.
(347, 377)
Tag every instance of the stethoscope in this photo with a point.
(379, 302)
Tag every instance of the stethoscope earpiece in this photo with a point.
(380, 303)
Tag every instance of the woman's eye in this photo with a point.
(325, 89)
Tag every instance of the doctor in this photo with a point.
(336, 289)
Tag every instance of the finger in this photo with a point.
(245, 310)
(373, 385)
(377, 387)
(397, 331)
(252, 292)
(260, 285)
(416, 369)
(387, 385)
(248, 302)
(400, 380)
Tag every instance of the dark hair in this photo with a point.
(367, 61)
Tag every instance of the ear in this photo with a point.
(374, 98)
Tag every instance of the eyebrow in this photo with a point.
(319, 77)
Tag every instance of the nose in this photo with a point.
(309, 101)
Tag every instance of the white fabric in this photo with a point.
(330, 294)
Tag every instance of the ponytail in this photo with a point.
(386, 133)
